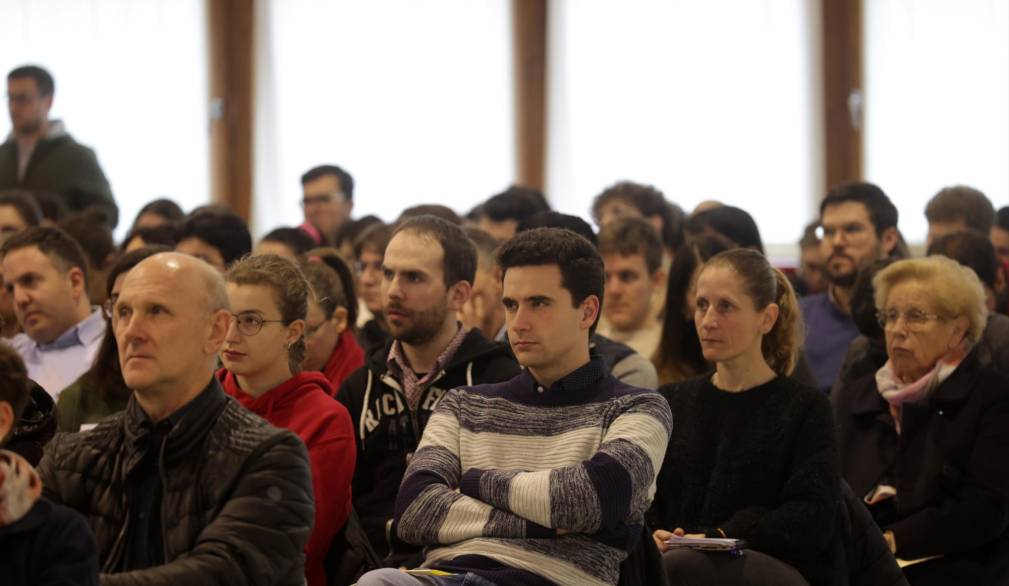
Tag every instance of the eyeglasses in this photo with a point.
(851, 231)
(320, 199)
(914, 319)
(250, 324)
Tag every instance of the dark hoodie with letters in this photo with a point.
(388, 431)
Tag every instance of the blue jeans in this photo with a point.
(393, 577)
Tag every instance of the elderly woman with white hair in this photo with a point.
(925, 440)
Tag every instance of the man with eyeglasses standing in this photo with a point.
(859, 225)
(184, 486)
(327, 199)
(45, 273)
(40, 156)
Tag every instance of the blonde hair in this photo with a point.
(765, 285)
(954, 289)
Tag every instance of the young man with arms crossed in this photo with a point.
(544, 478)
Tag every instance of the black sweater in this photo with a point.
(760, 465)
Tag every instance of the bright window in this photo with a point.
(704, 100)
(937, 101)
(131, 83)
(412, 97)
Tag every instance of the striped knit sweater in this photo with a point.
(523, 485)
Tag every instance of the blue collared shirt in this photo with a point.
(829, 331)
(54, 366)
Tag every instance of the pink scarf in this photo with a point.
(20, 487)
(897, 392)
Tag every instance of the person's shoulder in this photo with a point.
(324, 408)
(68, 145)
(814, 302)
(353, 387)
(800, 403)
(66, 521)
(636, 370)
(21, 343)
(857, 395)
(243, 432)
(637, 398)
(70, 396)
(68, 405)
(503, 389)
(992, 384)
(108, 430)
(476, 347)
(799, 388)
(997, 322)
(798, 392)
(54, 523)
(493, 359)
(78, 450)
(686, 389)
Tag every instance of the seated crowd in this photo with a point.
(505, 397)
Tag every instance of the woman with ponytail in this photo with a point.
(330, 341)
(262, 357)
(752, 451)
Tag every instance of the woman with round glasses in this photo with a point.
(925, 440)
(262, 357)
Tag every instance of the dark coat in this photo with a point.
(51, 545)
(237, 501)
(62, 166)
(949, 466)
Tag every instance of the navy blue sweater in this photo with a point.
(48, 546)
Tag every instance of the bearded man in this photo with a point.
(427, 275)
(859, 225)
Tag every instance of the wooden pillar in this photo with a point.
(529, 36)
(230, 29)
(842, 90)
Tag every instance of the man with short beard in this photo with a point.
(859, 224)
(427, 275)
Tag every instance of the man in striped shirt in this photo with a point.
(544, 478)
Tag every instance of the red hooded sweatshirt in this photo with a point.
(304, 405)
(347, 357)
